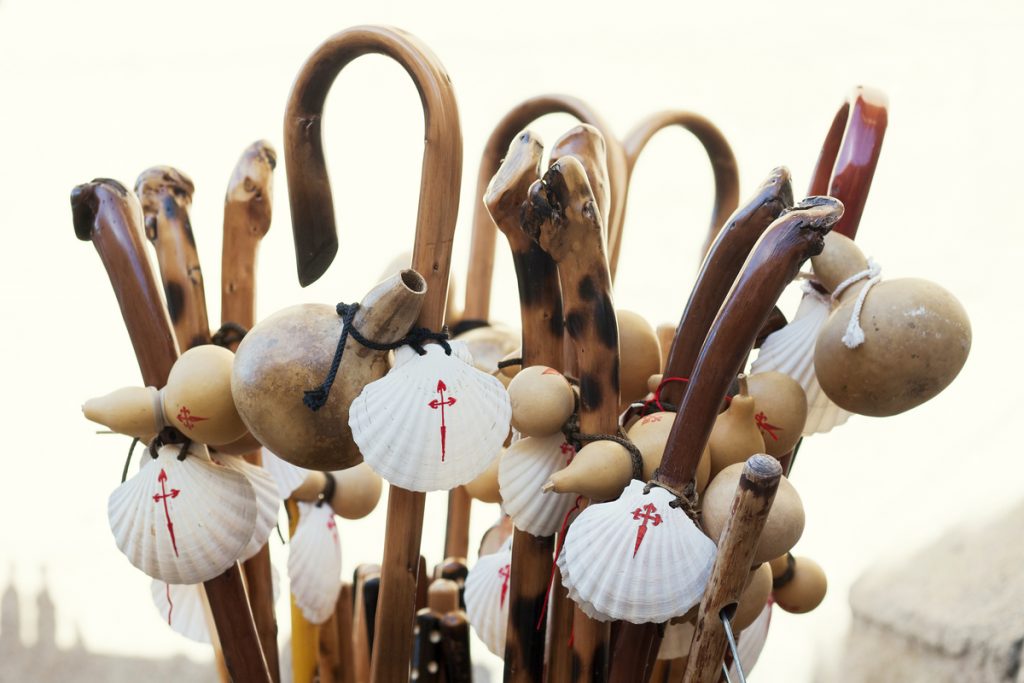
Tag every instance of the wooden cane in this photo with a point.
(723, 166)
(794, 237)
(540, 303)
(563, 218)
(482, 246)
(750, 507)
(329, 652)
(343, 618)
(248, 207)
(361, 626)
(316, 243)
(109, 216)
(166, 197)
(850, 154)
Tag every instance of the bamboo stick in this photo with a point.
(564, 219)
(750, 506)
(316, 243)
(105, 213)
(248, 207)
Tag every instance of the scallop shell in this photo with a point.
(486, 597)
(183, 521)
(287, 476)
(791, 352)
(314, 562)
(525, 467)
(183, 609)
(636, 558)
(268, 500)
(433, 422)
(676, 641)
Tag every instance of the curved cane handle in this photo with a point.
(309, 189)
(482, 245)
(849, 156)
(723, 163)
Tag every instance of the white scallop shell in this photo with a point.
(288, 476)
(751, 642)
(636, 558)
(268, 500)
(525, 467)
(676, 641)
(314, 562)
(433, 422)
(183, 521)
(791, 352)
(487, 598)
(182, 607)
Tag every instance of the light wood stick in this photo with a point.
(343, 618)
(316, 243)
(540, 304)
(105, 213)
(166, 197)
(750, 506)
(564, 219)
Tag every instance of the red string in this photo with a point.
(554, 564)
(656, 399)
(762, 423)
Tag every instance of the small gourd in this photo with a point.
(600, 471)
(735, 436)
(357, 490)
(753, 598)
(197, 399)
(640, 356)
(135, 411)
(782, 529)
(542, 401)
(805, 588)
(485, 487)
(780, 410)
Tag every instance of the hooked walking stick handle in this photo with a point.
(316, 244)
(723, 165)
(850, 154)
(108, 215)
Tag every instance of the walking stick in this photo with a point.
(316, 244)
(106, 214)
(563, 218)
(248, 207)
(723, 166)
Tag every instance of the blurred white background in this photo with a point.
(108, 88)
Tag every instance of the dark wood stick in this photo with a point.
(718, 272)
(723, 165)
(360, 626)
(793, 238)
(105, 213)
(344, 621)
(850, 154)
(750, 506)
(248, 207)
(564, 219)
(166, 197)
(458, 665)
(540, 304)
(316, 243)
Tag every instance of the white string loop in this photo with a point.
(854, 335)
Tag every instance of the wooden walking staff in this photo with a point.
(109, 216)
(750, 507)
(482, 248)
(316, 243)
(563, 218)
(791, 239)
(540, 303)
(248, 207)
(723, 166)
(166, 197)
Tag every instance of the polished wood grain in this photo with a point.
(316, 243)
(850, 154)
(751, 504)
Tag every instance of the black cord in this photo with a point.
(230, 333)
(128, 461)
(417, 338)
(330, 485)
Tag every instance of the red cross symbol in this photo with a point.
(568, 451)
(441, 403)
(164, 495)
(648, 513)
(769, 429)
(656, 417)
(186, 418)
(504, 573)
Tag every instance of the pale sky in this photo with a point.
(111, 88)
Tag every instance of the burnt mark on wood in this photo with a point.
(175, 300)
(591, 392)
(529, 293)
(198, 340)
(576, 324)
(188, 232)
(556, 324)
(613, 378)
(606, 323)
(84, 204)
(170, 207)
(587, 289)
